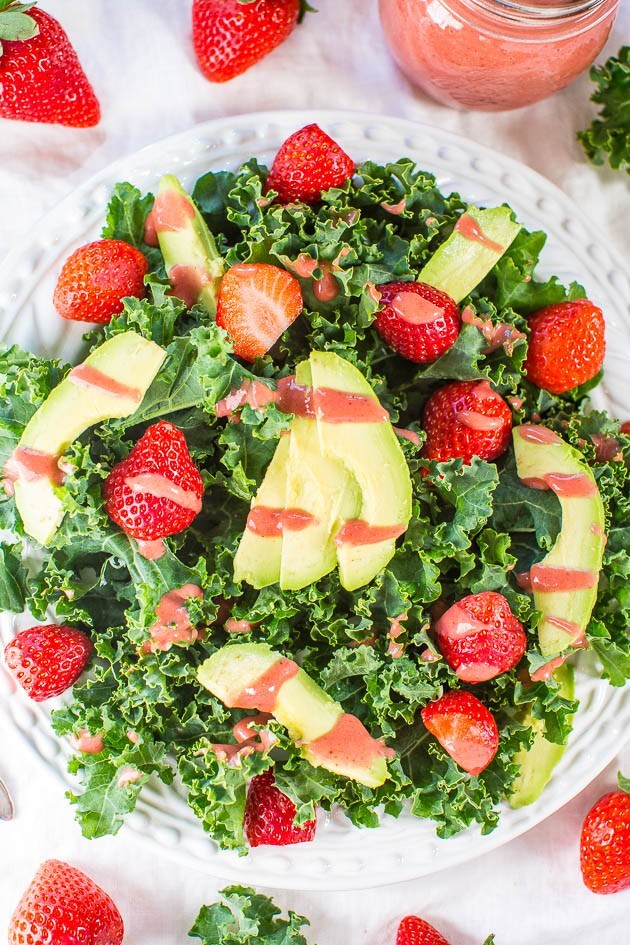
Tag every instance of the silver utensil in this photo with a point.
(6, 802)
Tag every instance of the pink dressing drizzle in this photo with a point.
(248, 740)
(456, 623)
(524, 581)
(553, 580)
(173, 624)
(151, 550)
(475, 420)
(27, 465)
(188, 282)
(262, 694)
(133, 737)
(358, 532)
(410, 435)
(496, 336)
(599, 531)
(162, 488)
(470, 230)
(515, 402)
(270, 523)
(324, 403)
(534, 433)
(395, 208)
(546, 671)
(567, 626)
(326, 288)
(414, 309)
(349, 740)
(88, 744)
(238, 626)
(171, 212)
(128, 775)
(336, 406)
(84, 375)
(574, 486)
(396, 650)
(607, 448)
(373, 292)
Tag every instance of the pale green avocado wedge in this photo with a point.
(538, 762)
(301, 706)
(460, 263)
(541, 455)
(129, 361)
(372, 454)
(323, 488)
(258, 559)
(190, 245)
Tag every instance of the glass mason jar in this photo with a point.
(495, 54)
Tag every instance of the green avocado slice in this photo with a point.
(193, 263)
(468, 255)
(254, 676)
(127, 363)
(565, 582)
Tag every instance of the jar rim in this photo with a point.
(536, 11)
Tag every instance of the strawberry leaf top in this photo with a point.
(15, 24)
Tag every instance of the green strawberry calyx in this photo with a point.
(624, 783)
(15, 23)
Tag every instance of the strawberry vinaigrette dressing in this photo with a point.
(322, 403)
(493, 55)
(171, 212)
(84, 375)
(173, 624)
(187, 282)
(496, 336)
(263, 693)
(162, 488)
(414, 309)
(357, 532)
(468, 227)
(553, 580)
(350, 740)
(28, 465)
(128, 775)
(248, 740)
(86, 743)
(151, 550)
(271, 523)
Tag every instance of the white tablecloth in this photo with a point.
(138, 55)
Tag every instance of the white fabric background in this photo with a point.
(138, 55)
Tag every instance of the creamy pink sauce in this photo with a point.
(496, 336)
(271, 523)
(410, 435)
(162, 488)
(456, 624)
(599, 531)
(414, 309)
(27, 465)
(515, 402)
(546, 671)
(477, 672)
(133, 737)
(304, 266)
(396, 650)
(263, 693)
(358, 532)
(574, 486)
(335, 406)
(373, 292)
(253, 393)
(84, 375)
(475, 420)
(151, 550)
(173, 624)
(88, 744)
(188, 282)
(567, 626)
(537, 434)
(524, 581)
(468, 227)
(350, 740)
(395, 208)
(557, 580)
(326, 288)
(428, 656)
(128, 775)
(171, 212)
(607, 448)
(248, 740)
(238, 626)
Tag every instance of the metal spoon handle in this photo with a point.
(6, 802)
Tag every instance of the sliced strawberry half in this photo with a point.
(465, 728)
(257, 303)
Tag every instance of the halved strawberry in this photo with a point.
(270, 814)
(465, 728)
(419, 322)
(480, 637)
(308, 163)
(257, 303)
(466, 419)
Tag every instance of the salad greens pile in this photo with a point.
(607, 140)
(244, 916)
(472, 527)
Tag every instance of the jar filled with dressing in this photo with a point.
(495, 54)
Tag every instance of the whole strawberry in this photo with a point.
(415, 931)
(157, 490)
(566, 345)
(465, 728)
(63, 906)
(480, 637)
(41, 78)
(605, 842)
(47, 660)
(419, 322)
(466, 419)
(96, 278)
(269, 815)
(308, 163)
(230, 36)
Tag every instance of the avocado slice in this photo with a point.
(320, 486)
(476, 244)
(260, 677)
(538, 761)
(564, 583)
(258, 558)
(193, 263)
(111, 382)
(372, 455)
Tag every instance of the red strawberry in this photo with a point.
(157, 490)
(257, 303)
(605, 842)
(230, 36)
(63, 906)
(466, 419)
(308, 163)
(415, 931)
(41, 78)
(480, 637)
(417, 321)
(464, 728)
(269, 815)
(96, 278)
(566, 345)
(47, 660)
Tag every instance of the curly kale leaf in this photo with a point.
(607, 140)
(245, 917)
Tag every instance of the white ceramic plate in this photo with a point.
(342, 856)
